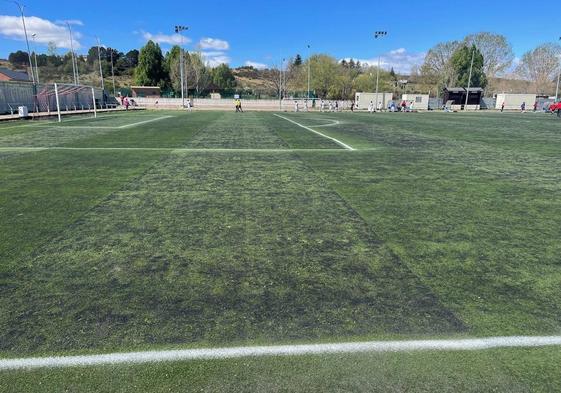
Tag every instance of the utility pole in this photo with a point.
(99, 59)
(26, 39)
(74, 63)
(35, 56)
(113, 74)
(378, 34)
(469, 79)
(558, 77)
(178, 30)
(309, 70)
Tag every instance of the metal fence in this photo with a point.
(42, 98)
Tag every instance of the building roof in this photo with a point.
(145, 87)
(14, 75)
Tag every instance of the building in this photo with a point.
(9, 75)
(146, 91)
(515, 101)
(362, 100)
(455, 97)
(420, 101)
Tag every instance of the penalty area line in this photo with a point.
(144, 122)
(470, 344)
(317, 132)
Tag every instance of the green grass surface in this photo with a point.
(439, 224)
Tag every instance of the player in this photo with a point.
(296, 106)
(322, 105)
(371, 107)
(306, 106)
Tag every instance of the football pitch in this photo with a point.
(147, 231)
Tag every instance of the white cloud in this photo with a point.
(215, 58)
(74, 22)
(171, 39)
(399, 59)
(259, 66)
(214, 44)
(45, 30)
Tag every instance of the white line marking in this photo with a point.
(316, 132)
(145, 121)
(280, 350)
(172, 149)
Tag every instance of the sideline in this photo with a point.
(280, 350)
(317, 132)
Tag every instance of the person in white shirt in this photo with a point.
(296, 106)
(322, 105)
(371, 107)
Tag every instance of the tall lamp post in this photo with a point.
(99, 60)
(113, 74)
(20, 6)
(309, 71)
(178, 30)
(378, 34)
(469, 79)
(558, 78)
(35, 56)
(74, 62)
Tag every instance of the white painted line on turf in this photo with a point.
(172, 149)
(280, 350)
(145, 121)
(316, 132)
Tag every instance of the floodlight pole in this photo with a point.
(35, 56)
(378, 34)
(26, 39)
(558, 77)
(99, 59)
(469, 79)
(309, 70)
(74, 62)
(178, 30)
(280, 85)
(113, 74)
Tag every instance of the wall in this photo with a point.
(514, 101)
(363, 99)
(423, 105)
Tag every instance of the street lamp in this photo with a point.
(558, 77)
(309, 70)
(99, 59)
(178, 30)
(469, 79)
(74, 62)
(20, 6)
(35, 55)
(378, 34)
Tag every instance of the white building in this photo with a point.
(420, 101)
(362, 100)
(514, 101)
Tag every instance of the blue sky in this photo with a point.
(262, 32)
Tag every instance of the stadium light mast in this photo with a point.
(113, 74)
(20, 6)
(74, 62)
(309, 70)
(378, 34)
(178, 30)
(558, 77)
(469, 79)
(99, 59)
(35, 56)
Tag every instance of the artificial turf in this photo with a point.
(438, 224)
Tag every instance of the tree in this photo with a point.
(18, 58)
(437, 66)
(223, 77)
(297, 61)
(540, 66)
(198, 72)
(150, 69)
(52, 49)
(496, 50)
(172, 66)
(324, 75)
(461, 64)
(132, 58)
